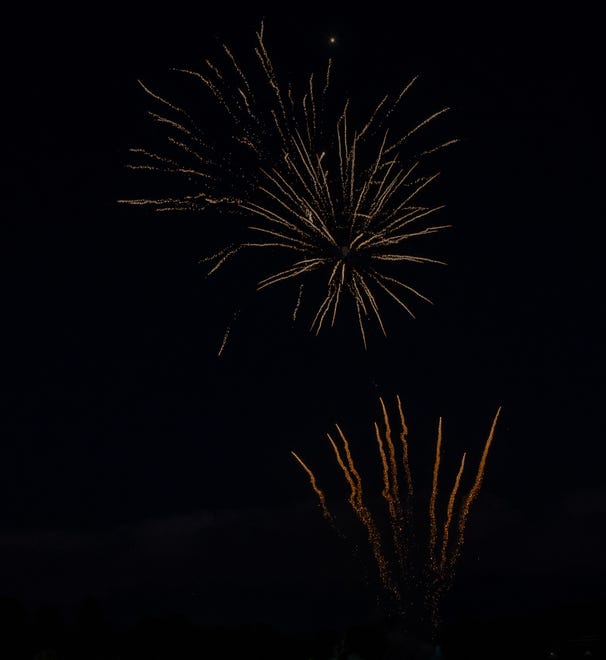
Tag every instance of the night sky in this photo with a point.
(139, 469)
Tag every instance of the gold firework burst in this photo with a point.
(323, 194)
(402, 567)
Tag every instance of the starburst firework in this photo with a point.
(324, 196)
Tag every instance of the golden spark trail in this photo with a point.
(353, 497)
(325, 512)
(392, 294)
(406, 463)
(474, 491)
(386, 492)
(449, 511)
(433, 527)
(417, 127)
(350, 462)
(395, 508)
(224, 341)
(298, 303)
(394, 486)
(363, 513)
(388, 496)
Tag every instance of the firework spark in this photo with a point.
(326, 196)
(410, 567)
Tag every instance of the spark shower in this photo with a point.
(415, 569)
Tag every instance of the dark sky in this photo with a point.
(139, 469)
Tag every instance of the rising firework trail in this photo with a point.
(327, 199)
(411, 577)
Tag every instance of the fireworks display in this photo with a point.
(415, 570)
(331, 203)
(329, 198)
